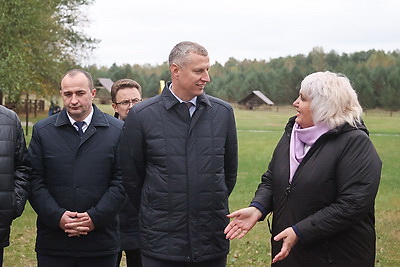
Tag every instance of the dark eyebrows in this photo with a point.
(79, 92)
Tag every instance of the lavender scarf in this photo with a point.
(301, 137)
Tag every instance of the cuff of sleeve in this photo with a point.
(260, 208)
(297, 231)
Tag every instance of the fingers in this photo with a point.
(279, 236)
(235, 231)
(77, 231)
(283, 253)
(67, 217)
(80, 225)
(229, 227)
(83, 215)
(234, 214)
(75, 225)
(71, 214)
(280, 256)
(289, 240)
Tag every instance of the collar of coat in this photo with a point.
(98, 119)
(170, 100)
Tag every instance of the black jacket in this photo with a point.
(14, 172)
(184, 169)
(70, 173)
(330, 201)
(128, 223)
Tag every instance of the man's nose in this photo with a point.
(206, 77)
(74, 98)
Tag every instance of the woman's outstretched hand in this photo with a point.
(243, 221)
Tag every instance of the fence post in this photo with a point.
(26, 115)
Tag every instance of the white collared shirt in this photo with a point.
(192, 108)
(87, 121)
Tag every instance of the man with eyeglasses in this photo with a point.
(125, 93)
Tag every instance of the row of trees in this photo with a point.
(375, 76)
(39, 40)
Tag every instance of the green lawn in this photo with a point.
(258, 133)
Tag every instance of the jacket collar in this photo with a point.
(98, 119)
(170, 100)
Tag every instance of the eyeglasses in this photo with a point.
(128, 102)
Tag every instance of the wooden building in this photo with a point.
(255, 99)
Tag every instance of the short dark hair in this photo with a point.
(121, 84)
(74, 72)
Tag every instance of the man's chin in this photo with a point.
(200, 92)
(75, 113)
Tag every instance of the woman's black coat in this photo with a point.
(330, 200)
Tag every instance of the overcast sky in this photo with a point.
(145, 31)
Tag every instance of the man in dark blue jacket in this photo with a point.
(76, 180)
(179, 164)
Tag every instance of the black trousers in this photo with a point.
(133, 258)
(63, 261)
(1, 256)
(152, 262)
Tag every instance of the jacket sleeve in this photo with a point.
(40, 198)
(357, 179)
(263, 194)
(22, 170)
(231, 154)
(132, 148)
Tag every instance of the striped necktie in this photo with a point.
(80, 124)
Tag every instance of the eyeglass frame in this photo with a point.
(125, 103)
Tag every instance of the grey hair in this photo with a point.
(333, 99)
(180, 52)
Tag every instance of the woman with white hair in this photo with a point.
(321, 183)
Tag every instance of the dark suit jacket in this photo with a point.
(76, 174)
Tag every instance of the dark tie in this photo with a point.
(80, 124)
(189, 105)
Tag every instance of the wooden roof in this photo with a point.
(106, 83)
(255, 97)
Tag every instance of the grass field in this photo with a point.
(258, 133)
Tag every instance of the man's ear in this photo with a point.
(93, 92)
(174, 69)
(114, 107)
